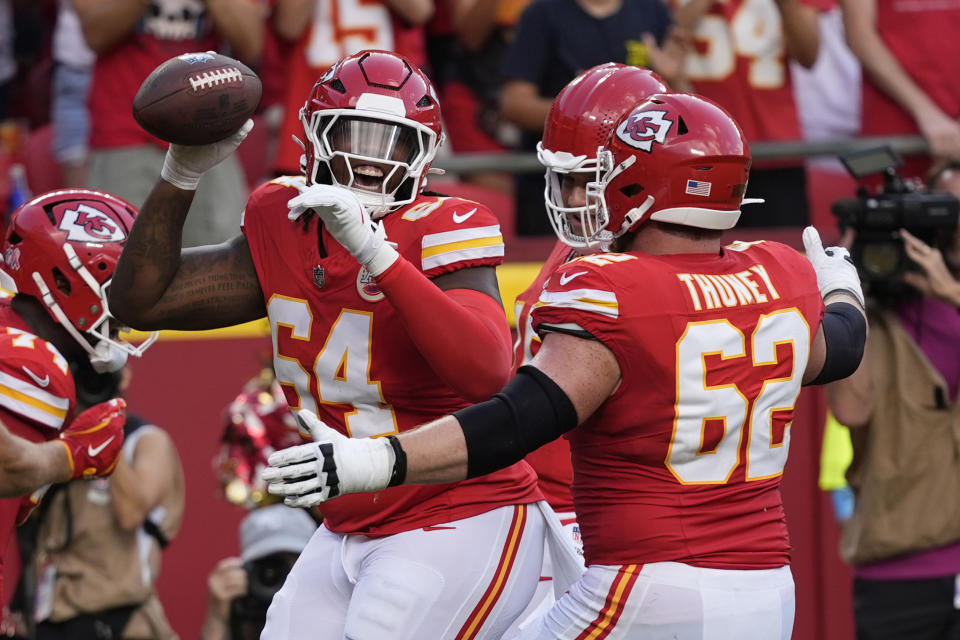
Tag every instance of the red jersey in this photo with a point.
(922, 36)
(340, 28)
(341, 350)
(37, 396)
(683, 461)
(552, 460)
(739, 61)
(167, 29)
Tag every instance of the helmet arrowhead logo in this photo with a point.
(642, 128)
(89, 224)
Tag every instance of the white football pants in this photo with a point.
(671, 601)
(461, 580)
(544, 598)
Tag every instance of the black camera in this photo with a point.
(265, 576)
(878, 251)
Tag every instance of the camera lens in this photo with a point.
(271, 574)
(880, 259)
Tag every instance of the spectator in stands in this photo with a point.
(739, 60)
(271, 539)
(325, 32)
(484, 30)
(906, 49)
(901, 407)
(8, 64)
(827, 112)
(558, 39)
(98, 543)
(72, 72)
(130, 39)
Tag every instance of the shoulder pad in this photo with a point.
(35, 380)
(272, 196)
(455, 233)
(581, 284)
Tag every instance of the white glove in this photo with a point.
(347, 220)
(834, 268)
(184, 164)
(331, 465)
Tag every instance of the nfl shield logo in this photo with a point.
(319, 278)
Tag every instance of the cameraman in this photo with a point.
(241, 589)
(97, 545)
(901, 406)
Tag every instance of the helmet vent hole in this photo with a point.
(102, 266)
(655, 101)
(631, 190)
(337, 85)
(681, 126)
(15, 238)
(63, 285)
(425, 101)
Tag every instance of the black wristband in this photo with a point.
(399, 463)
(845, 334)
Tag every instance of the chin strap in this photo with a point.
(635, 215)
(107, 355)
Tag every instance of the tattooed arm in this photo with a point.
(158, 285)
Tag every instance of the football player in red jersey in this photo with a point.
(681, 361)
(579, 121)
(58, 340)
(385, 312)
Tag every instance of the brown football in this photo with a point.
(197, 98)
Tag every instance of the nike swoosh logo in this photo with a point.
(564, 278)
(42, 382)
(93, 451)
(436, 528)
(458, 218)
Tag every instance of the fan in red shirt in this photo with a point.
(739, 60)
(130, 40)
(385, 312)
(903, 47)
(58, 340)
(674, 364)
(318, 34)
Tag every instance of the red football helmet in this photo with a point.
(372, 123)
(579, 123)
(61, 248)
(677, 158)
(257, 423)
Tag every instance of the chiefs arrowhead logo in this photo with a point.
(642, 128)
(89, 224)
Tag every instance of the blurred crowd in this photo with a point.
(785, 69)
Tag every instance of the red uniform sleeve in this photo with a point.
(457, 234)
(462, 333)
(35, 381)
(578, 296)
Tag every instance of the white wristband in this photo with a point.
(381, 259)
(177, 176)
